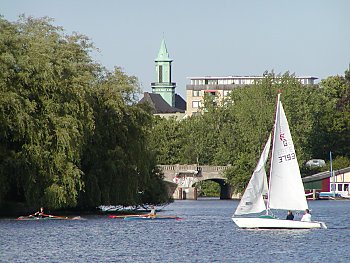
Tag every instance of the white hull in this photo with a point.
(268, 223)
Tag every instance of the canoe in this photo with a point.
(123, 216)
(152, 218)
(47, 217)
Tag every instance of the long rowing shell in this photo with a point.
(49, 217)
(123, 216)
(152, 218)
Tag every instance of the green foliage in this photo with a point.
(338, 163)
(235, 131)
(71, 132)
(209, 189)
(166, 139)
(332, 130)
(118, 162)
(44, 115)
(155, 191)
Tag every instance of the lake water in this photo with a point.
(206, 234)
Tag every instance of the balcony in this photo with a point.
(163, 84)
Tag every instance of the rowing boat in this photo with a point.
(152, 218)
(47, 217)
(123, 216)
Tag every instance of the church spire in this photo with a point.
(163, 54)
(163, 84)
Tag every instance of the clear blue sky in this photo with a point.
(206, 38)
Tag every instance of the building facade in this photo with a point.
(221, 87)
(327, 185)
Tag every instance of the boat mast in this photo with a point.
(332, 175)
(273, 149)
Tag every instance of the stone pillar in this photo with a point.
(191, 193)
(314, 194)
(178, 194)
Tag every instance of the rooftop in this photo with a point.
(244, 77)
(160, 105)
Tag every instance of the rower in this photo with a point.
(40, 213)
(153, 212)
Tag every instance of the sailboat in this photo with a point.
(285, 190)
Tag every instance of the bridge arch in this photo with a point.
(225, 188)
(186, 176)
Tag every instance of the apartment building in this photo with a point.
(221, 87)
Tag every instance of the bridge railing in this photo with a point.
(193, 167)
(208, 168)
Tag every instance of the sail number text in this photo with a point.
(286, 157)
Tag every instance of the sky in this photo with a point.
(205, 37)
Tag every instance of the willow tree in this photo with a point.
(119, 165)
(44, 115)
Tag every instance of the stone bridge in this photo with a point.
(186, 176)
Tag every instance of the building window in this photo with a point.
(196, 104)
(160, 74)
(340, 187)
(196, 93)
(332, 187)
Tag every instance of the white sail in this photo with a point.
(286, 187)
(252, 200)
(286, 190)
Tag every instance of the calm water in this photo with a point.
(207, 234)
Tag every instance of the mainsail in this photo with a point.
(286, 189)
(252, 200)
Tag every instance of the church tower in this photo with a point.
(163, 85)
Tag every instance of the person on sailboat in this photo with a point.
(307, 216)
(290, 215)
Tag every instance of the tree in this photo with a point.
(332, 132)
(165, 138)
(71, 132)
(45, 118)
(119, 165)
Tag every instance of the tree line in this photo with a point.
(71, 132)
(235, 133)
(73, 135)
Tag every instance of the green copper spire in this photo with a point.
(163, 54)
(163, 84)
